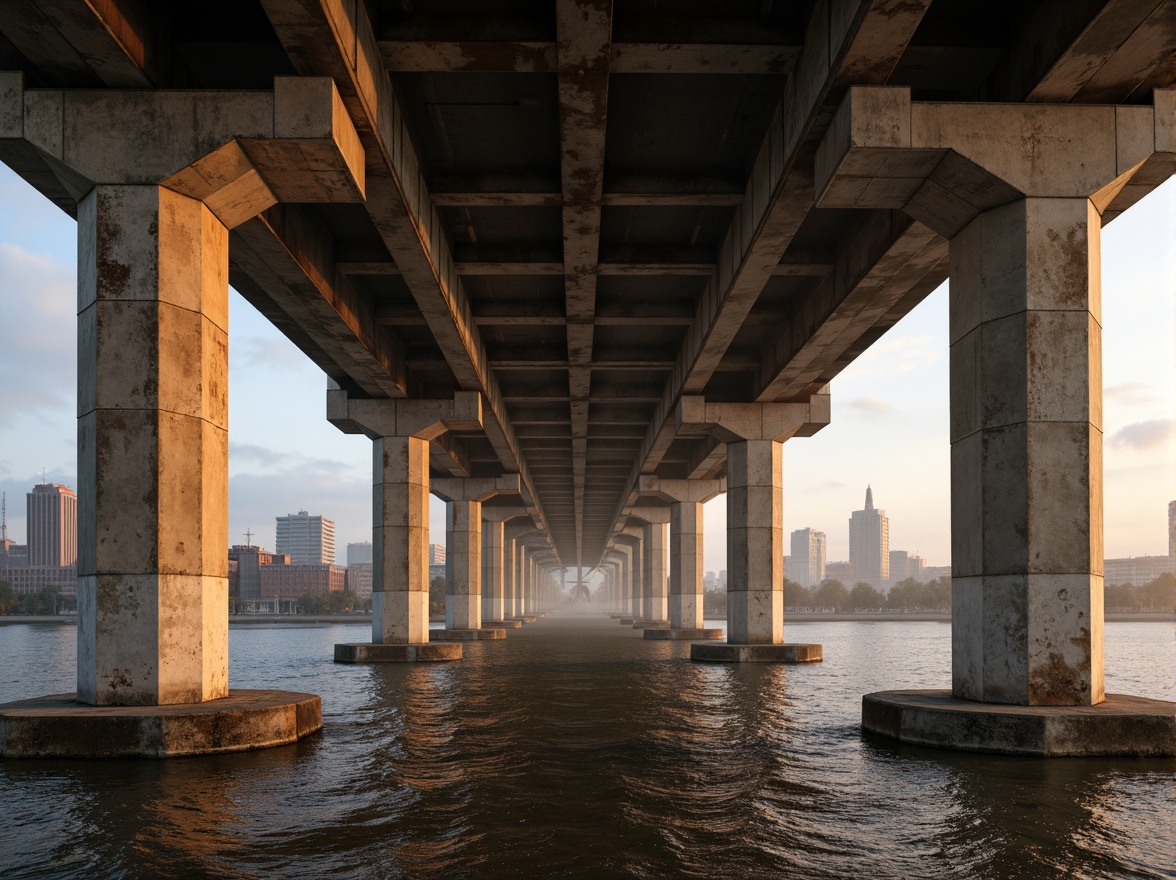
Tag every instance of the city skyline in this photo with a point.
(889, 425)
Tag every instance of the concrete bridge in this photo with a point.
(577, 267)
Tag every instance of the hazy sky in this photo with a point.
(889, 425)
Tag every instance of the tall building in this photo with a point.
(359, 553)
(846, 572)
(436, 554)
(869, 543)
(807, 562)
(52, 526)
(306, 539)
(899, 566)
(1172, 529)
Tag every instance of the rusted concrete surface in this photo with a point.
(1119, 726)
(61, 727)
(729, 652)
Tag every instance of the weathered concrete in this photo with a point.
(501, 624)
(61, 727)
(1023, 212)
(726, 652)
(401, 431)
(661, 633)
(468, 635)
(1119, 726)
(421, 652)
(651, 624)
(753, 434)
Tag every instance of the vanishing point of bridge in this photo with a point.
(577, 267)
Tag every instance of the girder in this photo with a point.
(585, 211)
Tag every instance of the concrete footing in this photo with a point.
(468, 635)
(530, 618)
(726, 652)
(59, 727)
(662, 633)
(651, 624)
(368, 652)
(1120, 726)
(502, 624)
(628, 621)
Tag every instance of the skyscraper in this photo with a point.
(1172, 529)
(869, 543)
(808, 557)
(306, 539)
(52, 525)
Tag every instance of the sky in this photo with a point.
(889, 427)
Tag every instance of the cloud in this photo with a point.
(38, 335)
(1145, 436)
(1130, 393)
(256, 352)
(872, 406)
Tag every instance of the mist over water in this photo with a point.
(575, 748)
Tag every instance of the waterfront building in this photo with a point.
(301, 579)
(935, 572)
(359, 579)
(306, 539)
(245, 564)
(899, 560)
(869, 543)
(807, 562)
(1137, 569)
(436, 554)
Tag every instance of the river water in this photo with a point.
(576, 749)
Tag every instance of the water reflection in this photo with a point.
(575, 748)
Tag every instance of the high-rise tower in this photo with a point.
(52, 525)
(306, 539)
(808, 557)
(869, 543)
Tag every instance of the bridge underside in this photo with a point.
(578, 266)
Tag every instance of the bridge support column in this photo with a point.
(463, 557)
(654, 591)
(686, 498)
(401, 431)
(755, 546)
(497, 562)
(632, 543)
(1020, 192)
(153, 238)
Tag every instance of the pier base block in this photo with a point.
(662, 633)
(628, 621)
(59, 727)
(725, 652)
(468, 635)
(650, 624)
(1120, 726)
(368, 652)
(502, 624)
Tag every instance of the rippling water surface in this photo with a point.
(576, 749)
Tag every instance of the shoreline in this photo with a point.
(797, 617)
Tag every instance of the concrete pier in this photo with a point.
(664, 633)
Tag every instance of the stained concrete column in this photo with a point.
(755, 543)
(686, 565)
(492, 569)
(655, 597)
(401, 431)
(753, 434)
(1026, 435)
(686, 498)
(463, 553)
(152, 449)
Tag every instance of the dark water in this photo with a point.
(577, 749)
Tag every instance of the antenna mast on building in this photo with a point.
(248, 538)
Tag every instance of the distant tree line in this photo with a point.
(342, 602)
(44, 601)
(935, 595)
(1156, 595)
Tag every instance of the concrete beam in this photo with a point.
(335, 39)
